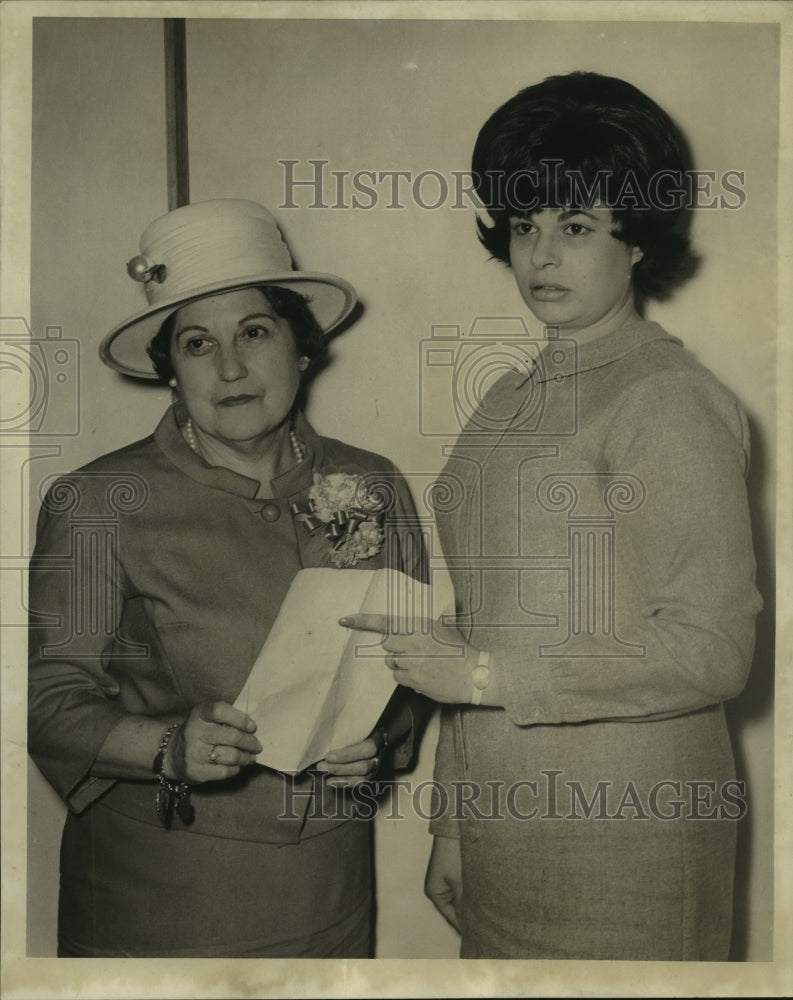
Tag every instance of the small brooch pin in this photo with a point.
(140, 268)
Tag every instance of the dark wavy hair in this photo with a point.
(582, 139)
(287, 304)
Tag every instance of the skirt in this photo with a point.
(639, 890)
(131, 889)
(618, 845)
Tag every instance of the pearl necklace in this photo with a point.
(296, 444)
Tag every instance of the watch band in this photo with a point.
(480, 676)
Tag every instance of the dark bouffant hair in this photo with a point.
(583, 139)
(288, 304)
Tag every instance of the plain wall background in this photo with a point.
(382, 96)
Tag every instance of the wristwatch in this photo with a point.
(480, 677)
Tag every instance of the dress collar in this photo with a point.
(575, 358)
(559, 358)
(169, 439)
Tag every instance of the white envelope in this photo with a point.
(316, 685)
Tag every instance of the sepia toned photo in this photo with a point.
(395, 457)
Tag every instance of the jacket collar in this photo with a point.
(169, 439)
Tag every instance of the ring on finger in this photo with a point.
(391, 661)
(213, 754)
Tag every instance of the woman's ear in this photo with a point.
(636, 255)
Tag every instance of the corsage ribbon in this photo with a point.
(354, 531)
(342, 525)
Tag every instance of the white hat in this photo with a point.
(213, 246)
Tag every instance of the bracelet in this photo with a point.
(480, 676)
(170, 794)
(385, 739)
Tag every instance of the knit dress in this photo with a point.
(601, 550)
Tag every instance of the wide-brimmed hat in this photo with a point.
(207, 247)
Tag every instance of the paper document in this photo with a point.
(317, 686)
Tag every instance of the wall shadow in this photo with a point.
(755, 703)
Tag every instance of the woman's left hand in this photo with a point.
(351, 765)
(430, 657)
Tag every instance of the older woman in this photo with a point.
(180, 549)
(603, 567)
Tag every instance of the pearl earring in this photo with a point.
(302, 364)
(172, 382)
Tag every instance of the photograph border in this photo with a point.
(33, 978)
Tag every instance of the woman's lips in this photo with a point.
(548, 293)
(235, 400)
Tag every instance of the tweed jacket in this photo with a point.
(155, 581)
(602, 553)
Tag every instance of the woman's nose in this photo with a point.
(231, 365)
(545, 251)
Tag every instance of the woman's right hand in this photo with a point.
(443, 883)
(215, 741)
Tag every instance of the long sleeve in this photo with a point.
(685, 598)
(75, 601)
(448, 760)
(406, 523)
(408, 712)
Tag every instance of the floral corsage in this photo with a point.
(352, 517)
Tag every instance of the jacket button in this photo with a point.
(271, 512)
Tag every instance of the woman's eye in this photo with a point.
(577, 229)
(255, 332)
(197, 345)
(522, 228)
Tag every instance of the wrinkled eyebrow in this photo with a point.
(190, 329)
(256, 315)
(196, 328)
